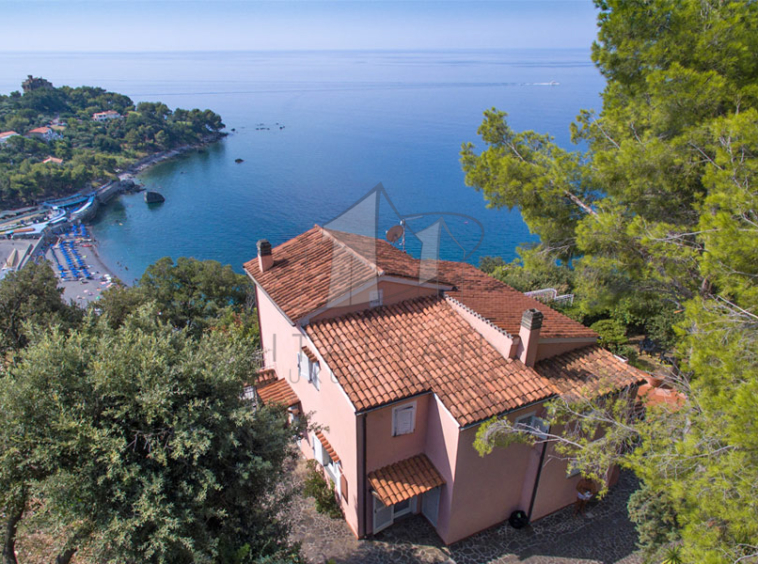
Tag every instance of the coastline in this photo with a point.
(141, 166)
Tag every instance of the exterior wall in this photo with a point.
(329, 407)
(382, 447)
(486, 489)
(502, 342)
(441, 447)
(393, 292)
(556, 490)
(556, 346)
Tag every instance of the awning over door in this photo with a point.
(405, 479)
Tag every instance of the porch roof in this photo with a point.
(277, 391)
(405, 479)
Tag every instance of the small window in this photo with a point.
(376, 298)
(314, 375)
(304, 366)
(532, 424)
(404, 420)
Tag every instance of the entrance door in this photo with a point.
(430, 505)
(382, 515)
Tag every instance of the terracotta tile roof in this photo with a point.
(52, 160)
(41, 130)
(392, 352)
(265, 375)
(8, 133)
(322, 264)
(502, 305)
(405, 479)
(651, 396)
(310, 270)
(588, 370)
(277, 391)
(327, 447)
(310, 354)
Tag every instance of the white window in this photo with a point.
(314, 375)
(308, 369)
(404, 419)
(304, 366)
(375, 298)
(532, 424)
(318, 449)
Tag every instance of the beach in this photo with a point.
(81, 291)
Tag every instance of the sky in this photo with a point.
(209, 25)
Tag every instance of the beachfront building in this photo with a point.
(44, 133)
(399, 361)
(52, 160)
(5, 135)
(106, 116)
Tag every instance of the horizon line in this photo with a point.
(357, 50)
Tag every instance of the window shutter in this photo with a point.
(315, 369)
(404, 420)
(343, 486)
(318, 450)
(304, 366)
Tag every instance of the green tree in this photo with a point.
(190, 293)
(30, 299)
(145, 449)
(659, 219)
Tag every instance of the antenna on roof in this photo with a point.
(396, 232)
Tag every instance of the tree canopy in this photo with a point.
(658, 214)
(92, 151)
(131, 432)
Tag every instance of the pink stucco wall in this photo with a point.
(329, 406)
(382, 447)
(486, 489)
(441, 447)
(554, 347)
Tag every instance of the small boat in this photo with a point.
(239, 161)
(154, 198)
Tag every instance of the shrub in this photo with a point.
(322, 491)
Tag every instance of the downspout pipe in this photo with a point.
(364, 475)
(537, 481)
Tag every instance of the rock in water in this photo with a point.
(154, 198)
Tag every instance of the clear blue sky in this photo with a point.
(180, 25)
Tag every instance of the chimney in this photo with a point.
(265, 259)
(529, 334)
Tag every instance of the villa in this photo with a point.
(398, 361)
(44, 133)
(105, 116)
(5, 135)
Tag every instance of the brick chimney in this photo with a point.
(529, 335)
(265, 259)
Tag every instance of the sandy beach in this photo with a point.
(83, 292)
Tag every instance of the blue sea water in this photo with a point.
(351, 120)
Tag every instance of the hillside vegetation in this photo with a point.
(92, 152)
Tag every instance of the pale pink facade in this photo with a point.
(479, 491)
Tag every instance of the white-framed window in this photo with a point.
(375, 298)
(332, 468)
(530, 422)
(308, 369)
(404, 419)
(314, 375)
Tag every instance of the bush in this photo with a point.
(322, 491)
(612, 334)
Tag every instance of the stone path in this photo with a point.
(604, 536)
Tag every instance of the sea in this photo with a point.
(312, 134)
